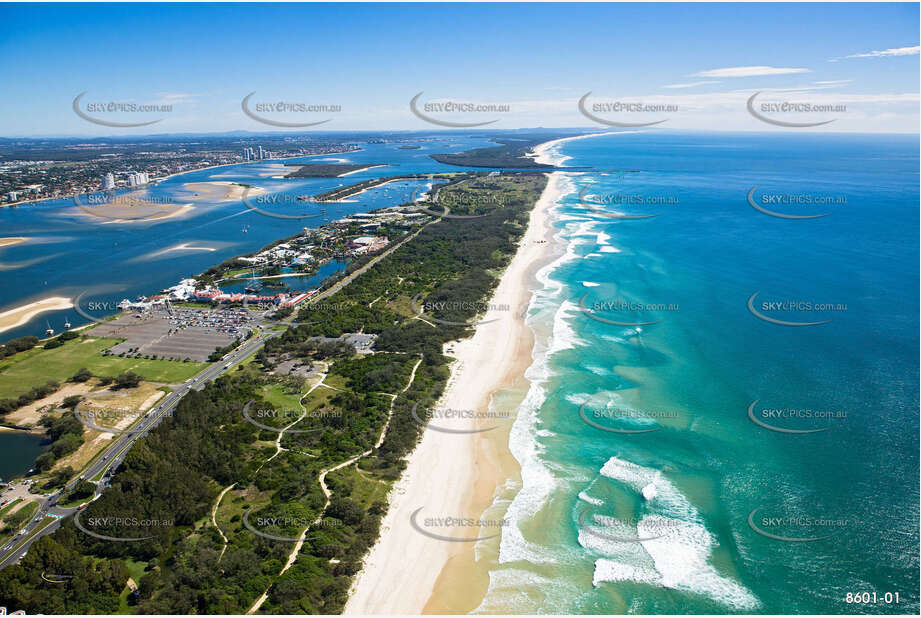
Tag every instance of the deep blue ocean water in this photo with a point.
(693, 360)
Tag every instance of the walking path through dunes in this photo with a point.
(456, 474)
(322, 479)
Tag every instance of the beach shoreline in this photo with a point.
(12, 240)
(541, 155)
(473, 466)
(210, 190)
(18, 316)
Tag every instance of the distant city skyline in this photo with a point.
(217, 67)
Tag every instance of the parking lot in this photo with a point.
(180, 333)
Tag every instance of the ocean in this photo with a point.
(723, 410)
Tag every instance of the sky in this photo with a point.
(697, 65)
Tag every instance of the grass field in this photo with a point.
(136, 569)
(15, 521)
(35, 367)
(281, 397)
(366, 489)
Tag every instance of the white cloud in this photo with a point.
(749, 71)
(833, 82)
(691, 84)
(883, 53)
(173, 98)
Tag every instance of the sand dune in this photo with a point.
(451, 474)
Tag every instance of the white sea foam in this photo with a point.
(537, 480)
(564, 335)
(569, 217)
(614, 571)
(590, 284)
(598, 370)
(518, 591)
(609, 249)
(590, 500)
(580, 227)
(577, 398)
(589, 255)
(679, 545)
(551, 286)
(603, 238)
(602, 398)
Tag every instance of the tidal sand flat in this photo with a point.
(20, 315)
(12, 240)
(456, 475)
(141, 212)
(221, 190)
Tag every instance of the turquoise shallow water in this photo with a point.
(663, 495)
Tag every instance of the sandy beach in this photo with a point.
(179, 212)
(129, 209)
(12, 240)
(221, 190)
(457, 474)
(364, 169)
(540, 153)
(21, 315)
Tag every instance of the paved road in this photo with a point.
(112, 457)
(377, 258)
(13, 551)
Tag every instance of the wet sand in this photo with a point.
(457, 474)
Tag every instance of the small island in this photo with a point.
(329, 170)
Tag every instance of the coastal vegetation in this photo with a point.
(20, 344)
(510, 153)
(327, 170)
(318, 465)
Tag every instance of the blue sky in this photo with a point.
(538, 59)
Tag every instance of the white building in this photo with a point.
(184, 290)
(108, 182)
(138, 179)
